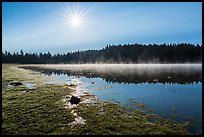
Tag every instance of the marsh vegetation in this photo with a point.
(42, 110)
(169, 90)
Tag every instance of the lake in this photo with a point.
(173, 91)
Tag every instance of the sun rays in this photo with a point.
(74, 18)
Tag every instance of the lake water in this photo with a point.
(174, 95)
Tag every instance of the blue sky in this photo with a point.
(40, 26)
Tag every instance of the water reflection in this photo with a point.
(173, 92)
(177, 75)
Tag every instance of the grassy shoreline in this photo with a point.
(41, 110)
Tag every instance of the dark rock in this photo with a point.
(74, 100)
(16, 83)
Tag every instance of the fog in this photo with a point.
(131, 73)
(123, 69)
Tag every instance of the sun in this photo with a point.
(74, 18)
(75, 21)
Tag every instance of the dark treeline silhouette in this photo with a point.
(127, 53)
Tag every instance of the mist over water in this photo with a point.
(171, 90)
(128, 73)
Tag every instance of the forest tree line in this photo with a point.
(127, 53)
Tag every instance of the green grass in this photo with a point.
(39, 111)
(107, 118)
(42, 111)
